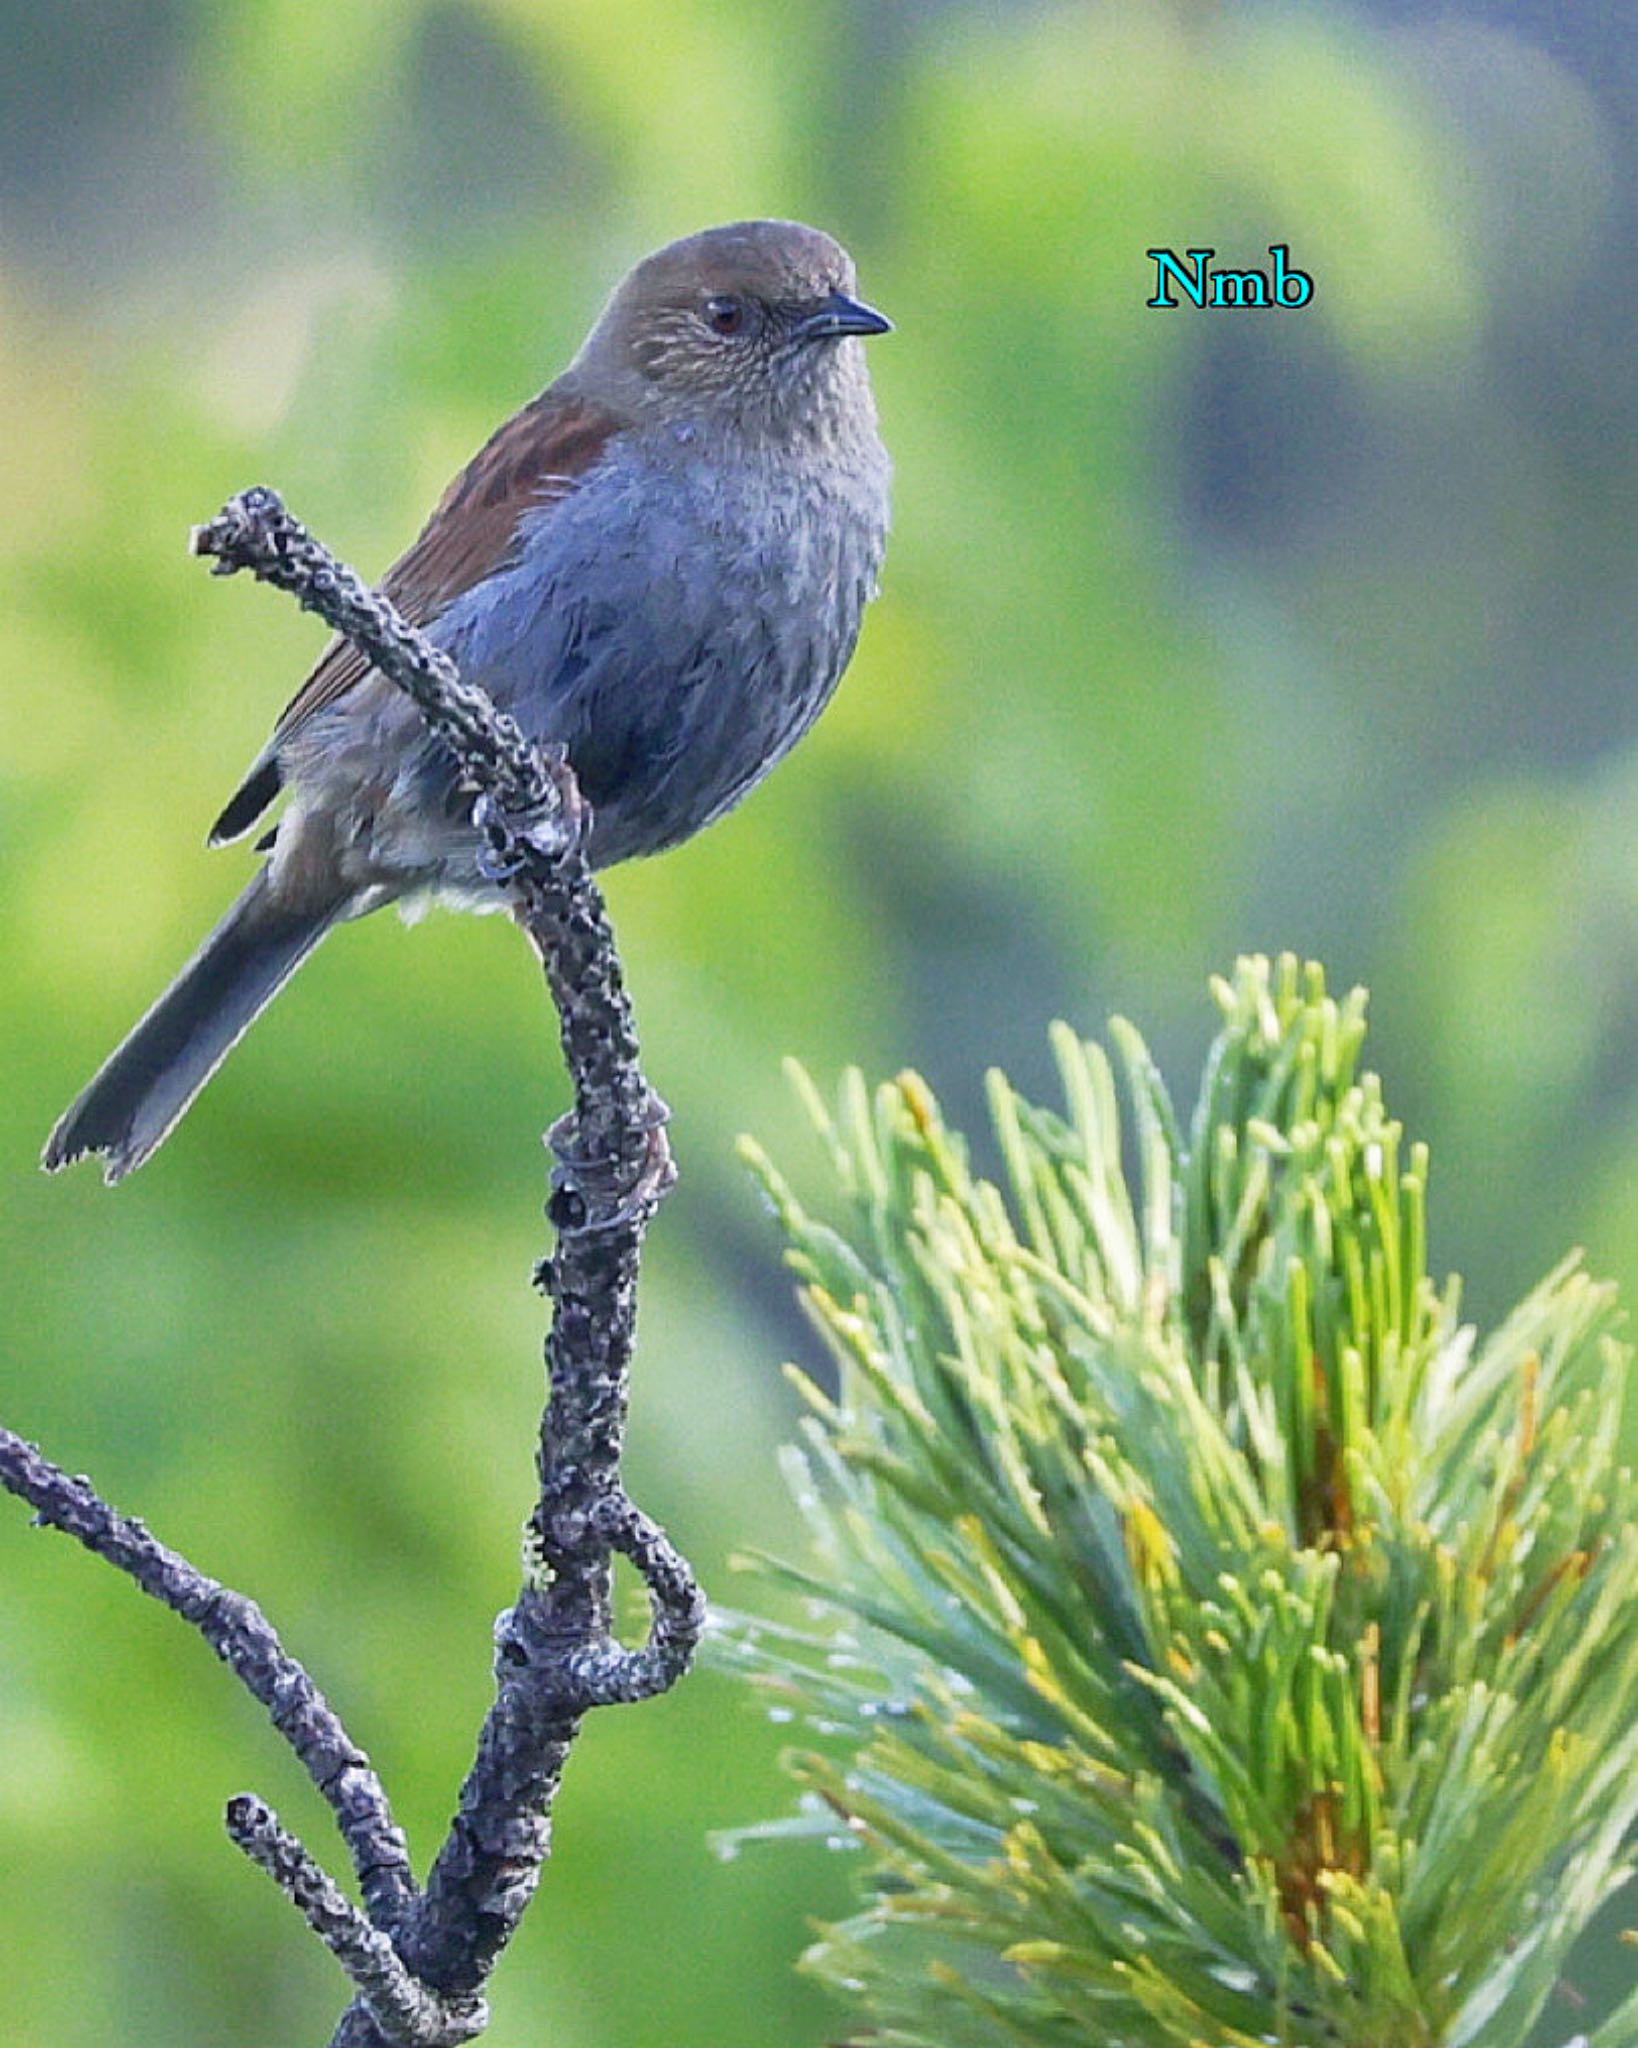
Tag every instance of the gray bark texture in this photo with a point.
(419, 1959)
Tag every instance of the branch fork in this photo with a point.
(418, 1958)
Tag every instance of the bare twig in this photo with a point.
(420, 1960)
(253, 531)
(406, 2012)
(241, 1635)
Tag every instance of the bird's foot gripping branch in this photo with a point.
(419, 1958)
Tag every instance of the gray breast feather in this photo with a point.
(677, 638)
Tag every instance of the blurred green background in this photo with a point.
(1201, 632)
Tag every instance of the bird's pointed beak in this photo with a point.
(842, 315)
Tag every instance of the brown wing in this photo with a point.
(537, 457)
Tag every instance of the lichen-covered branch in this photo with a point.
(409, 2014)
(241, 1635)
(421, 1959)
(253, 531)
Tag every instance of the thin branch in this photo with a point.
(556, 1654)
(241, 1635)
(420, 1960)
(253, 531)
(407, 2013)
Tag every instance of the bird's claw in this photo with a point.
(563, 1137)
(501, 865)
(500, 857)
(512, 839)
(574, 812)
(589, 1195)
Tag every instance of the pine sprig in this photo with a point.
(1219, 1644)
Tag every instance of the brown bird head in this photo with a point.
(752, 327)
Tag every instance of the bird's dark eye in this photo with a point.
(725, 315)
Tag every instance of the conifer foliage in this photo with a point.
(1213, 1640)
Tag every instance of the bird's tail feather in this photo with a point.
(143, 1089)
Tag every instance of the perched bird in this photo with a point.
(660, 563)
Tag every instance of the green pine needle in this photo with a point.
(1218, 1644)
